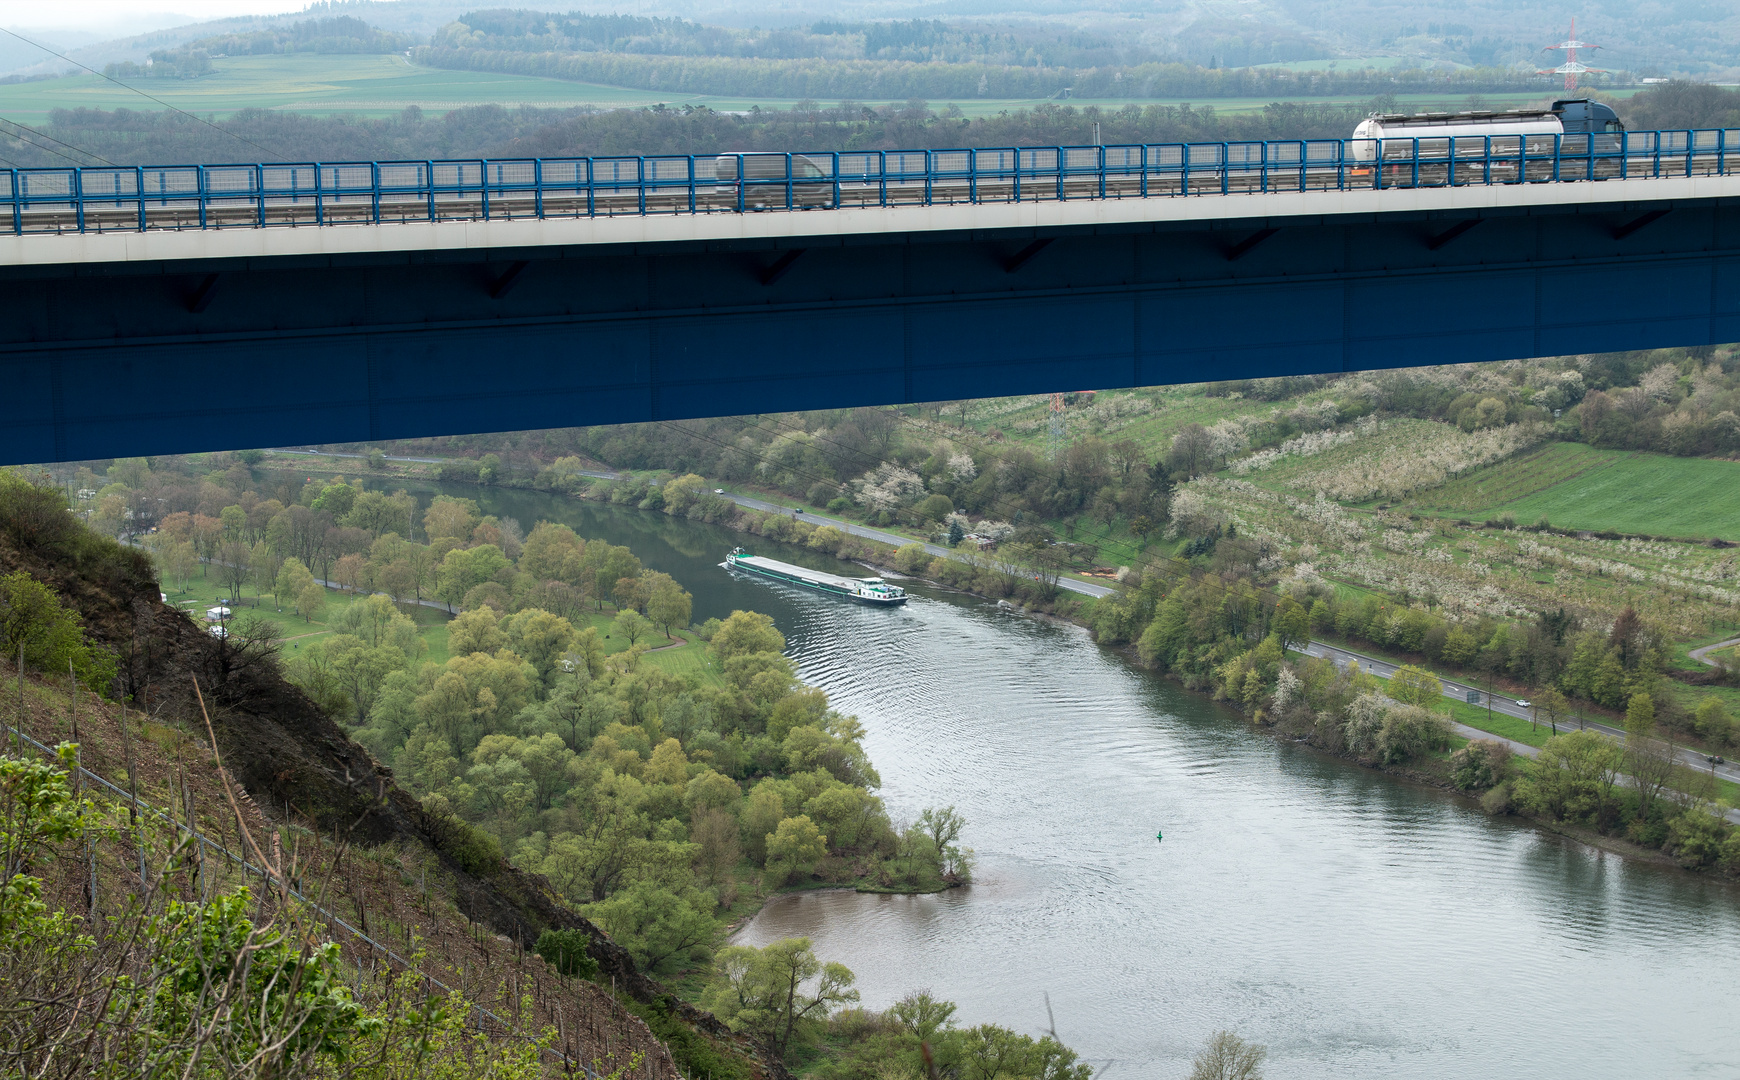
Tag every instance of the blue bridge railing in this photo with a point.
(109, 198)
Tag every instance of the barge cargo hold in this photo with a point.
(863, 590)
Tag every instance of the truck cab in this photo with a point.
(1584, 117)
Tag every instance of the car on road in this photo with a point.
(1522, 703)
(718, 491)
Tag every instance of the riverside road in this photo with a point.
(1383, 669)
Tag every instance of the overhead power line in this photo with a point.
(136, 90)
(25, 130)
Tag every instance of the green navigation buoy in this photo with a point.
(1159, 836)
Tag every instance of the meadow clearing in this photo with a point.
(1580, 487)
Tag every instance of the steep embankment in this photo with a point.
(294, 761)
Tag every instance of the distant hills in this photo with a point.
(1677, 37)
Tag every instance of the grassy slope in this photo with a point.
(1577, 486)
(688, 658)
(380, 85)
(691, 660)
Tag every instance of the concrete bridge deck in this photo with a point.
(122, 341)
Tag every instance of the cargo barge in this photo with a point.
(863, 590)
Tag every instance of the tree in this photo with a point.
(50, 635)
(922, 1014)
(311, 601)
(1651, 764)
(670, 605)
(714, 833)
(1626, 635)
(933, 837)
(1409, 731)
(1575, 778)
(761, 992)
(1640, 717)
(235, 522)
(450, 517)
(378, 622)
(293, 578)
(1042, 562)
(1481, 764)
(1714, 723)
(420, 559)
(1293, 623)
(541, 639)
(682, 493)
(1191, 450)
(746, 633)
(361, 668)
(567, 952)
(762, 813)
(609, 564)
(475, 631)
(631, 624)
(552, 553)
(794, 849)
(667, 765)
(1411, 685)
(994, 1052)
(655, 923)
(956, 533)
(1460, 646)
(349, 572)
(180, 561)
(234, 567)
(336, 499)
(463, 569)
(1552, 705)
(377, 513)
(397, 579)
(1228, 1057)
(934, 508)
(630, 593)
(942, 825)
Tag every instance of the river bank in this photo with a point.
(1330, 912)
(1066, 759)
(825, 542)
(1433, 771)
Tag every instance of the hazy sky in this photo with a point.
(132, 16)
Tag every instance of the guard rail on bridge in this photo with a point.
(108, 198)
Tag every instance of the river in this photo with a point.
(1358, 925)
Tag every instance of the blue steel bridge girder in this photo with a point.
(118, 358)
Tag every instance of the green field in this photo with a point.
(1579, 487)
(381, 85)
(692, 660)
(367, 85)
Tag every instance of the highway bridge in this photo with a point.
(158, 310)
